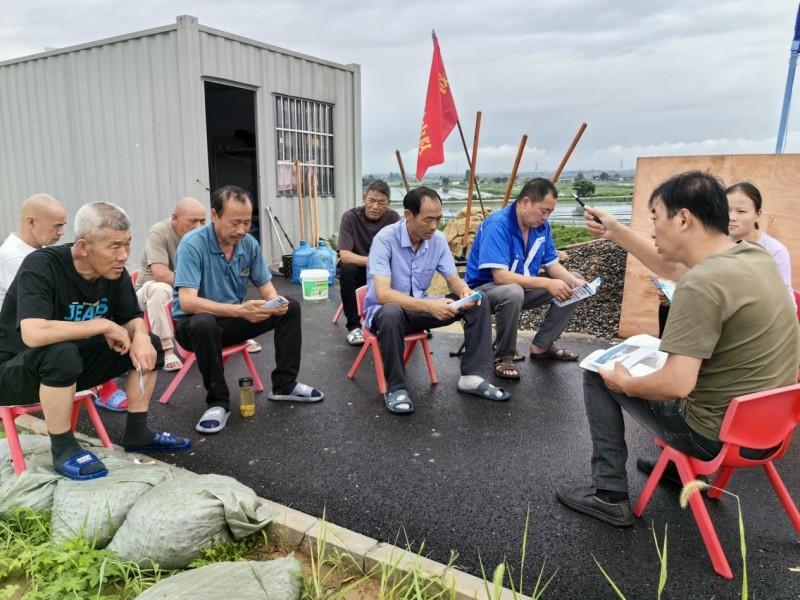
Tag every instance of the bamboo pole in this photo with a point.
(472, 176)
(402, 169)
(316, 206)
(564, 160)
(310, 189)
(298, 172)
(469, 162)
(513, 176)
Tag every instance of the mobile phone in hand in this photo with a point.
(275, 302)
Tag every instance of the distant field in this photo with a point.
(490, 189)
(564, 235)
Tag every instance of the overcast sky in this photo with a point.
(650, 78)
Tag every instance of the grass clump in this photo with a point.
(71, 569)
(243, 549)
(689, 490)
(517, 587)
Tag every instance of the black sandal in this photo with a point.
(506, 369)
(553, 353)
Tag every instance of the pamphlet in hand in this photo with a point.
(665, 286)
(639, 354)
(475, 296)
(580, 293)
(275, 302)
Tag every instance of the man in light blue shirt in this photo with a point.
(402, 261)
(509, 249)
(213, 267)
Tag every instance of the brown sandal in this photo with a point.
(506, 369)
(553, 353)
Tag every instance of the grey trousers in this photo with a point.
(507, 301)
(392, 322)
(607, 428)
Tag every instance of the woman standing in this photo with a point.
(744, 210)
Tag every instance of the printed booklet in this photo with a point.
(580, 293)
(664, 286)
(639, 354)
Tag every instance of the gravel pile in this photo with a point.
(598, 315)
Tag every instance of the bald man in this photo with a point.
(42, 224)
(154, 286)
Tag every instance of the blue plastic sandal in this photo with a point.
(162, 442)
(116, 402)
(71, 469)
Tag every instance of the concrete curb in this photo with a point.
(295, 530)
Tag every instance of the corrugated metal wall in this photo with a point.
(123, 120)
(227, 58)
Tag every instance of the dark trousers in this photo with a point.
(607, 427)
(85, 363)
(351, 277)
(392, 322)
(663, 315)
(206, 336)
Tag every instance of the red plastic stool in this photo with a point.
(9, 415)
(338, 314)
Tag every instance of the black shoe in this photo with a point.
(583, 500)
(670, 475)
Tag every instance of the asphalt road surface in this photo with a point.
(461, 473)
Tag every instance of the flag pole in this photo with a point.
(469, 162)
(564, 160)
(402, 169)
(513, 176)
(472, 177)
(299, 181)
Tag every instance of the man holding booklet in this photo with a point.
(509, 249)
(214, 265)
(402, 262)
(732, 330)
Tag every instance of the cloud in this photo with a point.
(500, 159)
(645, 76)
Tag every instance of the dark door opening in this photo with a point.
(231, 131)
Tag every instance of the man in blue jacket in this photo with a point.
(511, 246)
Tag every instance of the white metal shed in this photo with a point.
(146, 118)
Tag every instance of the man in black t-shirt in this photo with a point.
(358, 228)
(71, 321)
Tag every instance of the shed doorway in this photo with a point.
(232, 148)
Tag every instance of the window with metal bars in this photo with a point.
(304, 135)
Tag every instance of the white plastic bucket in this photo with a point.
(314, 283)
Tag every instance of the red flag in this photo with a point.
(439, 118)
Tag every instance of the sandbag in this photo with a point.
(34, 488)
(171, 523)
(95, 509)
(246, 580)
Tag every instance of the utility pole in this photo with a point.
(780, 144)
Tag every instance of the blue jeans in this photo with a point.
(607, 427)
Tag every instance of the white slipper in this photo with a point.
(213, 420)
(300, 393)
(253, 346)
(172, 362)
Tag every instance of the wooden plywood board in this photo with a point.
(776, 176)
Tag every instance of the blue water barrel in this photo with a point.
(301, 256)
(324, 258)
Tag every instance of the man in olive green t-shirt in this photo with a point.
(732, 330)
